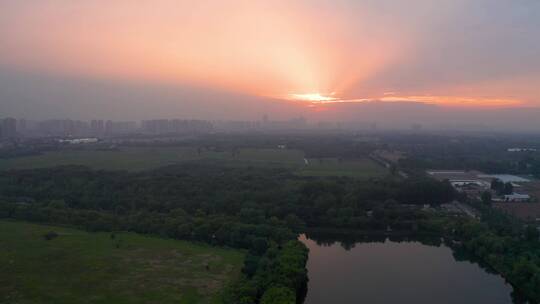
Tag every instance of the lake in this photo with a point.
(397, 272)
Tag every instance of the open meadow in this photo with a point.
(148, 158)
(81, 267)
(131, 159)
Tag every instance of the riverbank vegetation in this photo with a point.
(506, 245)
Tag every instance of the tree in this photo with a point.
(57, 204)
(497, 185)
(486, 197)
(508, 188)
(278, 295)
(50, 235)
(259, 246)
(243, 291)
(393, 169)
(535, 170)
(531, 233)
(250, 265)
(502, 188)
(294, 222)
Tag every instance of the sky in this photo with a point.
(241, 59)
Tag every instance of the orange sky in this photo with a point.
(274, 49)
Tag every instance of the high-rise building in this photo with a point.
(97, 127)
(123, 127)
(163, 126)
(9, 128)
(21, 126)
(108, 127)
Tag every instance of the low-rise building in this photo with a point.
(516, 197)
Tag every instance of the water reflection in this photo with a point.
(346, 268)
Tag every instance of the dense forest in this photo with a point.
(211, 190)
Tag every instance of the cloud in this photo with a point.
(482, 52)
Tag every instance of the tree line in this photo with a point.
(258, 209)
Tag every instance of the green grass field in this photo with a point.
(132, 159)
(82, 267)
(143, 158)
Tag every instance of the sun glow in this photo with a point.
(316, 99)
(313, 97)
(455, 101)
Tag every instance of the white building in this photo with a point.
(78, 141)
(506, 178)
(516, 197)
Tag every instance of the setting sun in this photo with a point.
(313, 97)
